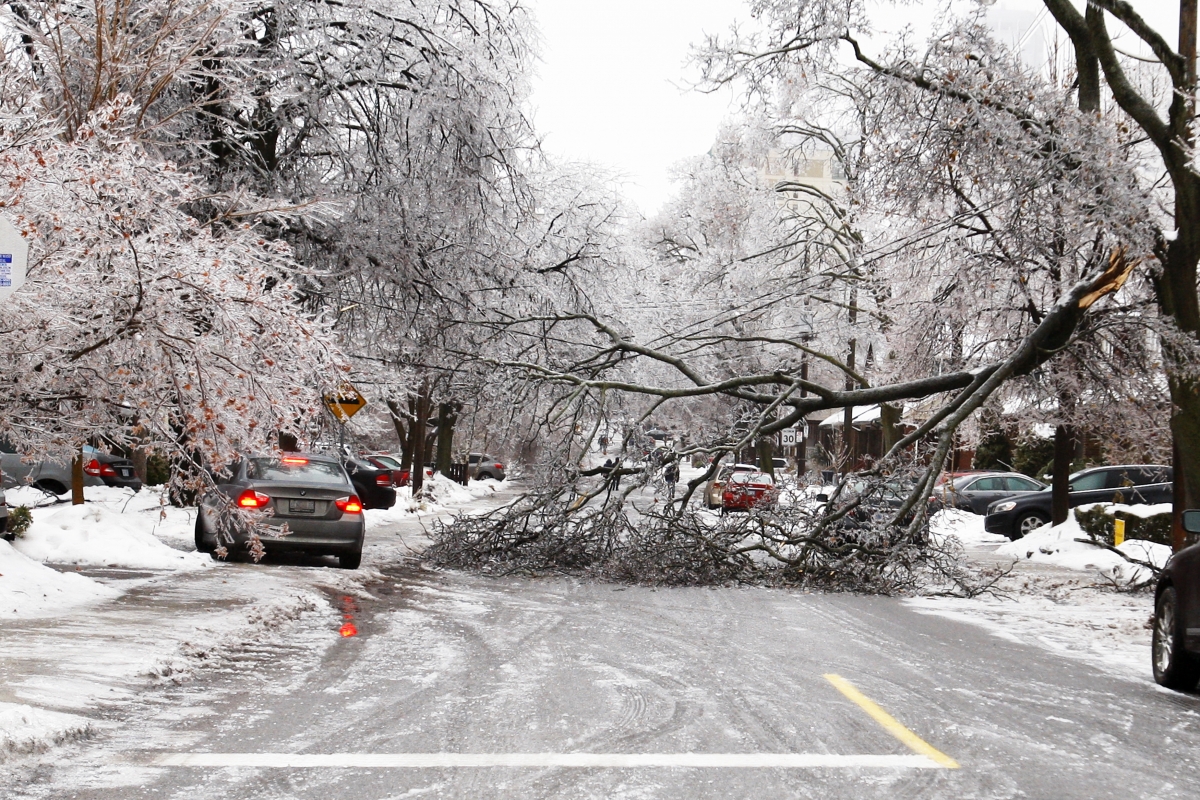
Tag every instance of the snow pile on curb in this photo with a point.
(97, 536)
(961, 525)
(1056, 544)
(29, 589)
(25, 729)
(1142, 511)
(441, 496)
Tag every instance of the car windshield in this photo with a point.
(295, 469)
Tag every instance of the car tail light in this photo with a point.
(294, 460)
(384, 479)
(349, 505)
(97, 470)
(253, 499)
(498, 466)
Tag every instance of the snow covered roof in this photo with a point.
(862, 416)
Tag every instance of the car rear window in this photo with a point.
(295, 469)
(751, 477)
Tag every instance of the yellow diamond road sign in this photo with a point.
(345, 403)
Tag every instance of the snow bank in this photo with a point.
(1056, 544)
(96, 535)
(961, 525)
(25, 729)
(30, 589)
(441, 495)
(1140, 511)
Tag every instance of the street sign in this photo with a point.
(14, 252)
(787, 437)
(345, 403)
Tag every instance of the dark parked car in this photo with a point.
(481, 467)
(1175, 642)
(1128, 483)
(976, 491)
(373, 484)
(312, 495)
(112, 469)
(54, 477)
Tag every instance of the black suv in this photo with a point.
(1129, 483)
(1175, 644)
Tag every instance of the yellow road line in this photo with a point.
(889, 723)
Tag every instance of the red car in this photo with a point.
(746, 490)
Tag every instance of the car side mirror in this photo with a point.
(1191, 520)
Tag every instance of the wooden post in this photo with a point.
(77, 478)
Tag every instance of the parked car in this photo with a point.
(3, 510)
(113, 470)
(481, 467)
(1134, 484)
(715, 488)
(373, 484)
(384, 461)
(746, 490)
(976, 491)
(311, 494)
(54, 477)
(1175, 641)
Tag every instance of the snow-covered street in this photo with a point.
(163, 655)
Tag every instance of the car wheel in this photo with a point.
(1028, 523)
(201, 545)
(1174, 667)
(50, 487)
(350, 560)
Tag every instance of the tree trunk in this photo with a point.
(138, 456)
(889, 418)
(766, 458)
(447, 417)
(401, 434)
(418, 435)
(1064, 453)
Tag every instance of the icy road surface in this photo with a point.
(461, 686)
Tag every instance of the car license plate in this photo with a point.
(125, 472)
(302, 506)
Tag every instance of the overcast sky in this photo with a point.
(612, 84)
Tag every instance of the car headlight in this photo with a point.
(1008, 505)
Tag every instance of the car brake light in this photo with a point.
(253, 499)
(349, 505)
(294, 460)
(93, 468)
(499, 466)
(107, 471)
(383, 480)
